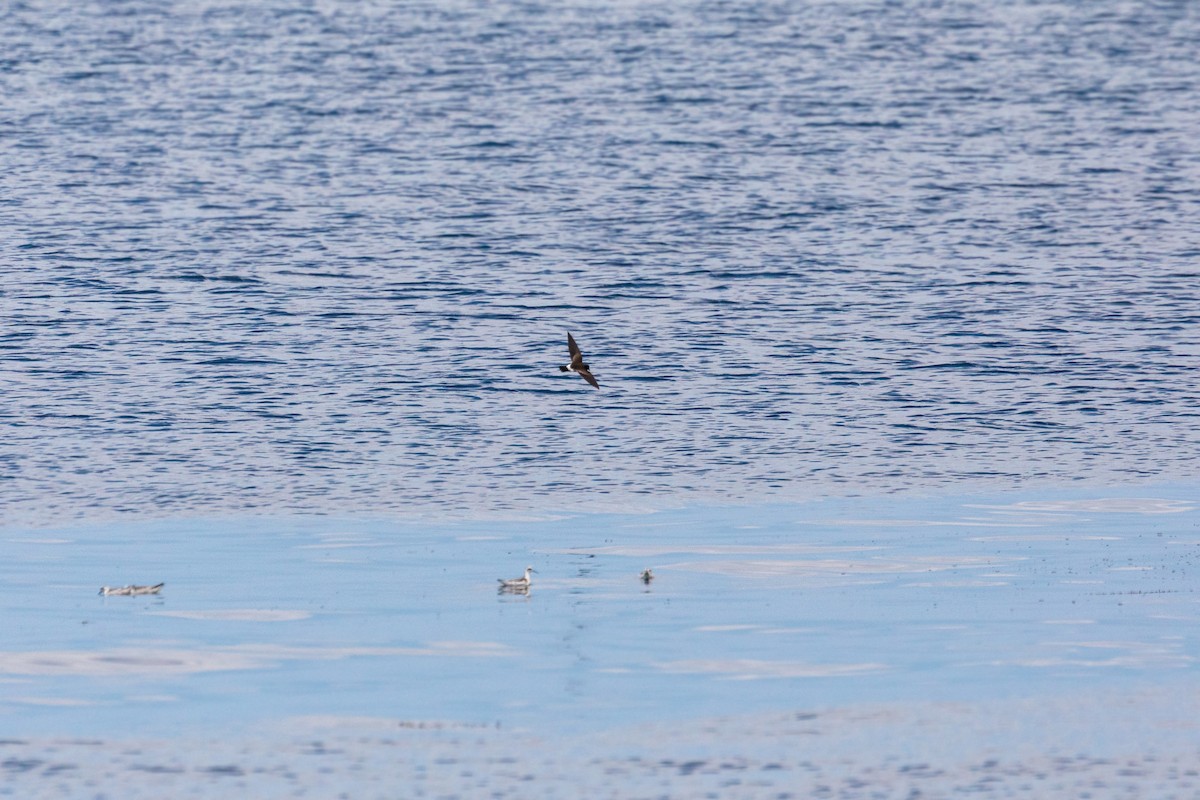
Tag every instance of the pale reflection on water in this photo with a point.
(749, 609)
(151, 661)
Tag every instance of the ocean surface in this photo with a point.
(990, 646)
(322, 257)
(895, 310)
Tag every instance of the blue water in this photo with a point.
(895, 308)
(772, 608)
(322, 257)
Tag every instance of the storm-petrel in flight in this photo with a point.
(577, 366)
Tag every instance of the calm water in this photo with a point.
(830, 604)
(322, 257)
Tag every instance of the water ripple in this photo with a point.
(324, 259)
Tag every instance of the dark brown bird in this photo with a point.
(577, 366)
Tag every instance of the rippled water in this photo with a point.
(298, 257)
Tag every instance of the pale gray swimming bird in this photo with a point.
(577, 366)
(517, 584)
(131, 590)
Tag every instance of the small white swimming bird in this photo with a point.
(517, 584)
(131, 590)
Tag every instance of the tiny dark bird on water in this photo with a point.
(577, 366)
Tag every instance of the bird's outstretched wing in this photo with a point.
(577, 364)
(587, 376)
